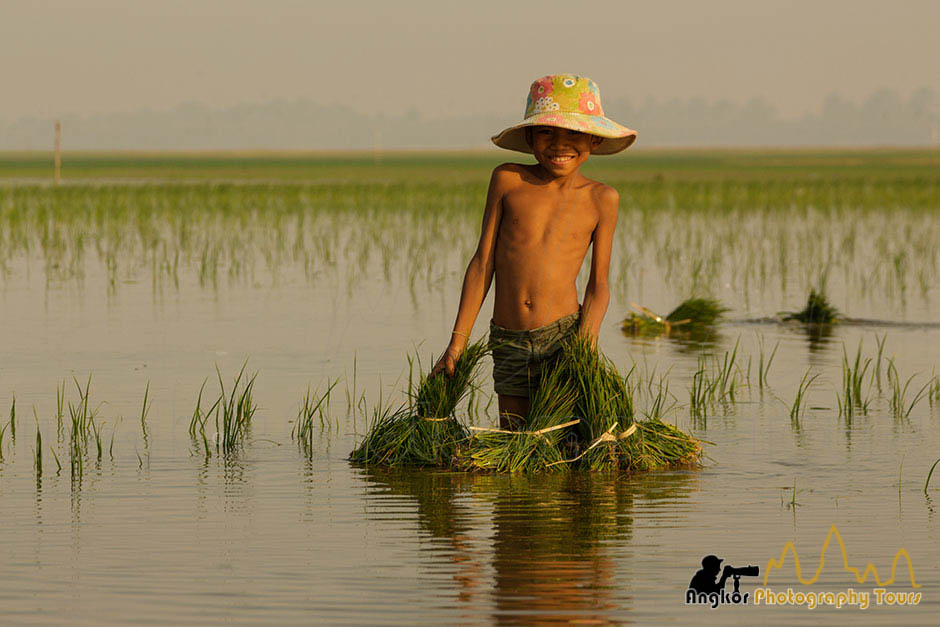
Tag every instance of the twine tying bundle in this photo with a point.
(607, 436)
(539, 434)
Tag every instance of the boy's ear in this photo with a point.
(528, 135)
(595, 141)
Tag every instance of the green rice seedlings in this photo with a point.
(303, 429)
(402, 438)
(604, 404)
(198, 420)
(880, 342)
(424, 432)
(76, 451)
(728, 374)
(79, 414)
(37, 454)
(798, 408)
(900, 408)
(197, 425)
(145, 408)
(763, 365)
(13, 420)
(693, 314)
(602, 394)
(60, 410)
(699, 391)
(3, 429)
(853, 375)
(97, 433)
(55, 456)
(934, 395)
(662, 402)
(113, 433)
(234, 412)
(538, 447)
(82, 422)
(714, 382)
(657, 445)
(817, 310)
(699, 312)
(438, 397)
(929, 475)
(581, 398)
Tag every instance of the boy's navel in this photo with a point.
(528, 303)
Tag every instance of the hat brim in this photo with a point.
(614, 137)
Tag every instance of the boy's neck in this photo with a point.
(565, 180)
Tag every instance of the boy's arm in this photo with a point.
(597, 292)
(479, 274)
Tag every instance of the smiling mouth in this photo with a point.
(561, 159)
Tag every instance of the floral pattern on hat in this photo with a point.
(564, 92)
(545, 103)
(541, 88)
(588, 104)
(567, 101)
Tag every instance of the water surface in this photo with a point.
(159, 533)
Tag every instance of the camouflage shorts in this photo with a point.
(519, 356)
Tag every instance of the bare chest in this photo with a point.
(534, 218)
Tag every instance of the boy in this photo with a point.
(538, 223)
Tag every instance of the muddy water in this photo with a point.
(158, 533)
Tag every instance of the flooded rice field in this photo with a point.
(128, 294)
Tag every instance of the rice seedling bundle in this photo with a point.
(603, 405)
(612, 440)
(582, 396)
(403, 438)
(538, 447)
(817, 310)
(581, 415)
(426, 432)
(657, 445)
(692, 314)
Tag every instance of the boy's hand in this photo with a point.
(447, 362)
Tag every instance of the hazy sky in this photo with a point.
(85, 56)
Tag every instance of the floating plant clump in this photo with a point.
(692, 315)
(817, 310)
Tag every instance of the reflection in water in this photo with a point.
(686, 341)
(550, 552)
(238, 483)
(555, 537)
(817, 335)
(697, 339)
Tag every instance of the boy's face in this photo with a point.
(558, 150)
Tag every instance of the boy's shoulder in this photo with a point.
(607, 196)
(512, 172)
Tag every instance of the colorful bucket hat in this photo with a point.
(567, 101)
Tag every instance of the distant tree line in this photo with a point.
(884, 118)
